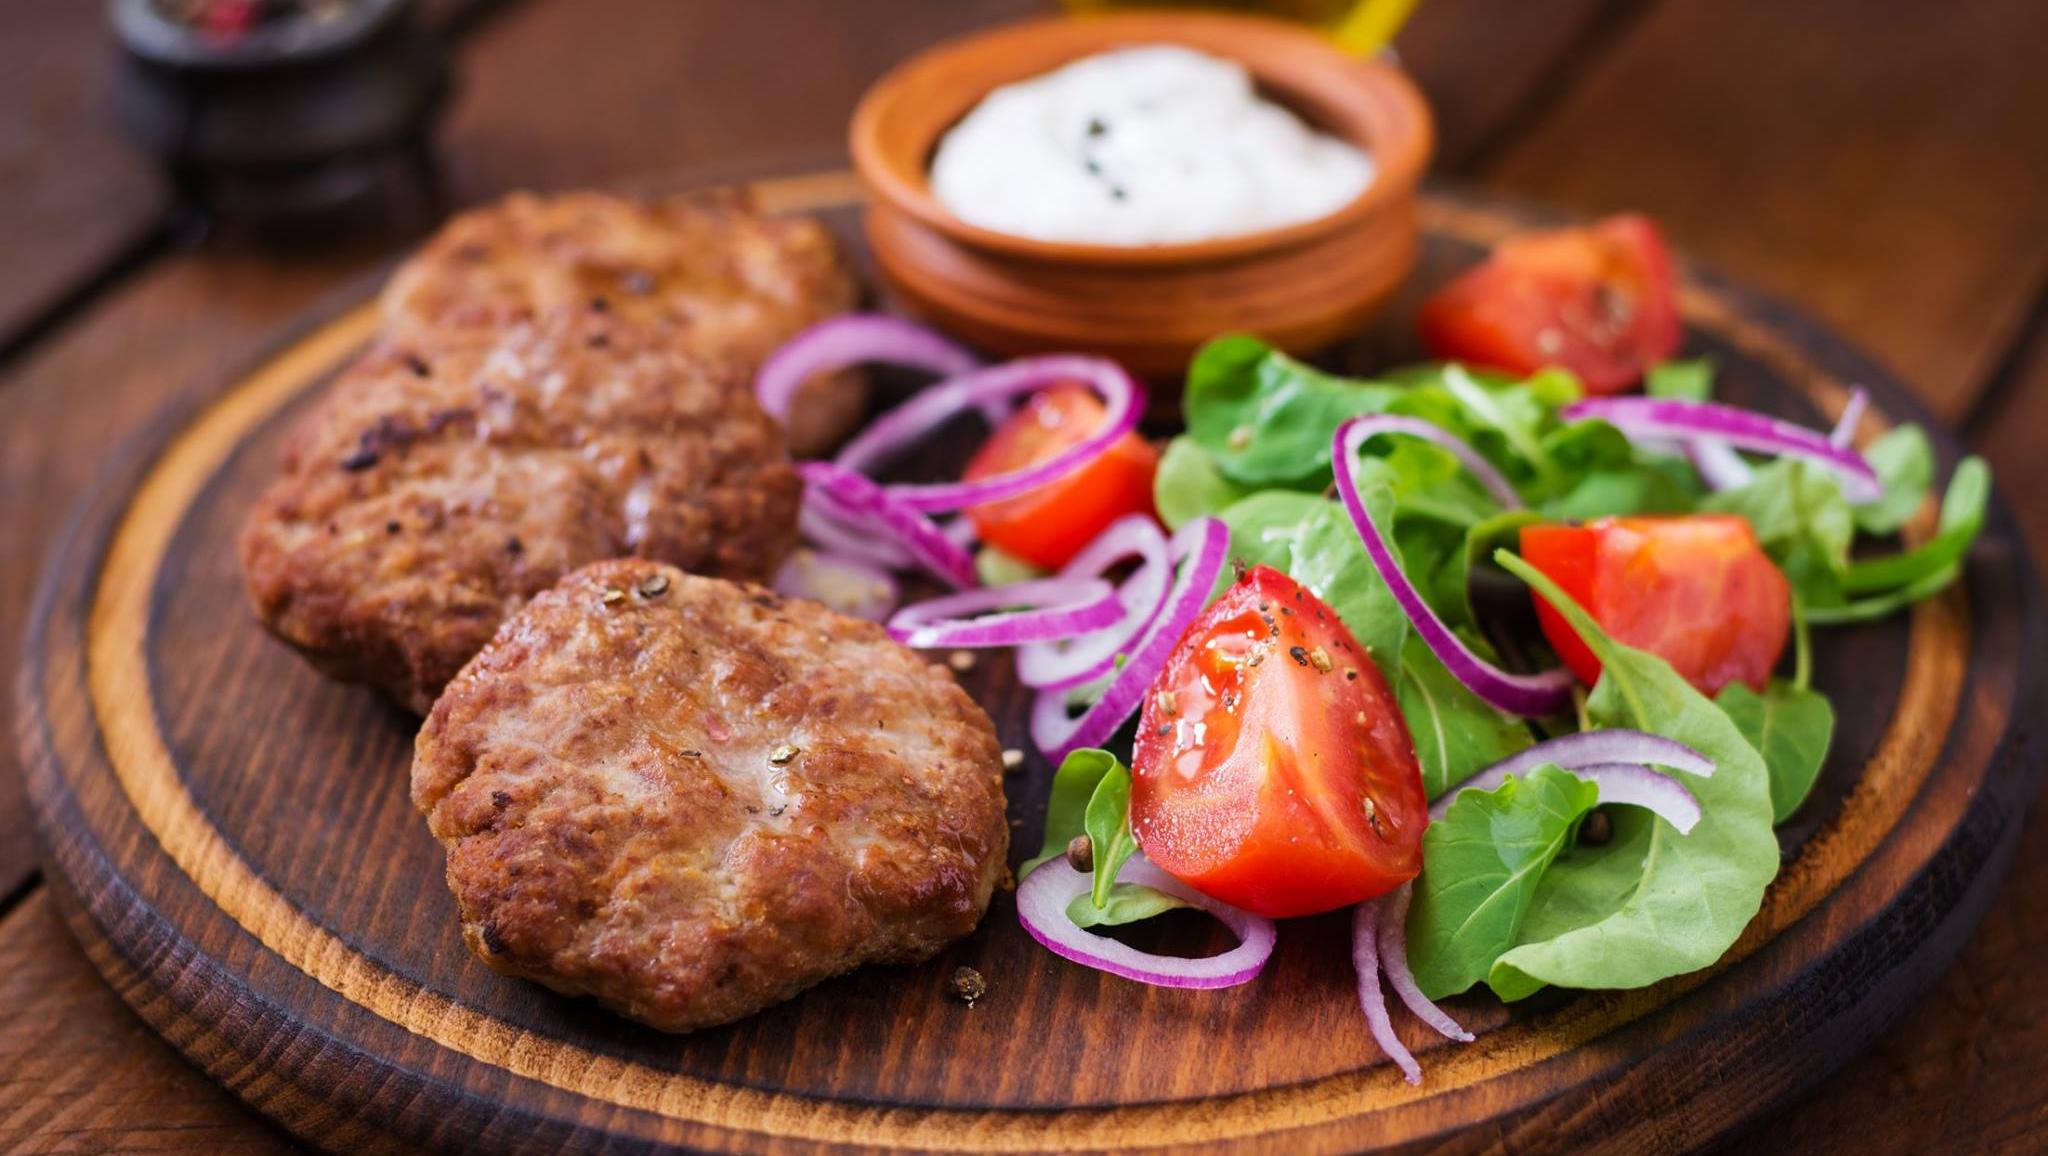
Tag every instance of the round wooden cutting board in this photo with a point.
(234, 839)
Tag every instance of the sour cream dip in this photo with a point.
(1152, 145)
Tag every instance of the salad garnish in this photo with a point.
(1348, 721)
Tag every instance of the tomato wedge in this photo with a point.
(1273, 769)
(1696, 591)
(1050, 524)
(1599, 301)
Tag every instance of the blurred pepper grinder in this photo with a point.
(285, 115)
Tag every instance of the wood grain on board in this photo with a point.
(73, 195)
(1881, 163)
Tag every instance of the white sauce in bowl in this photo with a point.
(1141, 146)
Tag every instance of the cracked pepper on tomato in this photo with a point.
(1273, 769)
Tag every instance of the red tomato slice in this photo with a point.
(1696, 591)
(1600, 301)
(1273, 769)
(1050, 524)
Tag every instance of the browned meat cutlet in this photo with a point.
(435, 489)
(734, 284)
(692, 798)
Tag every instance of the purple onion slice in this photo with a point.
(1034, 611)
(1042, 900)
(1665, 417)
(854, 339)
(1527, 695)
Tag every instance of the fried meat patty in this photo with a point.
(693, 798)
(439, 485)
(732, 283)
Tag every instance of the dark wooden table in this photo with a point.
(1882, 163)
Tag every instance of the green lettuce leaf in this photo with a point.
(1456, 733)
(1091, 795)
(1803, 523)
(1188, 485)
(1650, 903)
(1904, 461)
(1791, 727)
(1482, 865)
(1686, 380)
(1266, 419)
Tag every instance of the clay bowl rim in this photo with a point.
(896, 176)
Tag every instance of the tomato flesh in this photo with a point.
(1600, 301)
(1050, 524)
(1273, 768)
(1697, 591)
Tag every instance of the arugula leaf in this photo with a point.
(1262, 525)
(1791, 727)
(1517, 415)
(1266, 419)
(1649, 904)
(1482, 865)
(1802, 521)
(1108, 822)
(1189, 486)
(1066, 807)
(1073, 809)
(1962, 516)
(1687, 380)
(1456, 733)
(1128, 903)
(1904, 461)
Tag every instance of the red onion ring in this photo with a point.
(1843, 436)
(1496, 483)
(848, 585)
(1665, 417)
(1079, 661)
(1719, 466)
(1575, 752)
(1365, 957)
(825, 529)
(1393, 953)
(1042, 900)
(848, 340)
(1203, 544)
(1122, 396)
(1527, 695)
(1035, 611)
(856, 501)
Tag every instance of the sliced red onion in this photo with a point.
(848, 585)
(849, 340)
(1042, 900)
(1629, 785)
(1393, 945)
(1035, 611)
(1843, 436)
(1123, 398)
(1719, 466)
(1365, 957)
(856, 501)
(1665, 417)
(1575, 752)
(1475, 464)
(830, 533)
(1201, 547)
(1527, 695)
(1079, 661)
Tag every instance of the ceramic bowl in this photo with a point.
(1300, 286)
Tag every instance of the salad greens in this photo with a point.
(1649, 903)
(1091, 795)
(1510, 895)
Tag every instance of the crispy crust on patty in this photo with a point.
(730, 283)
(438, 485)
(692, 798)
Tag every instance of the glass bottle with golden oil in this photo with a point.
(1360, 26)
